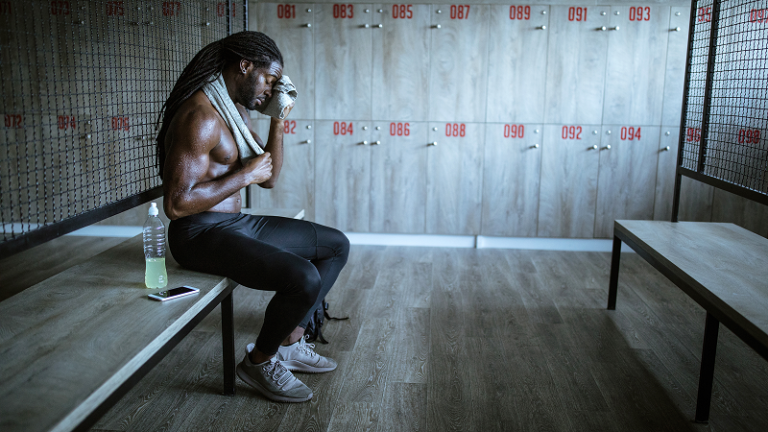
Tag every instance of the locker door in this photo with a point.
(291, 27)
(634, 82)
(665, 174)
(517, 67)
(511, 177)
(627, 176)
(569, 167)
(674, 78)
(296, 184)
(398, 177)
(459, 63)
(343, 62)
(454, 177)
(576, 58)
(342, 175)
(401, 62)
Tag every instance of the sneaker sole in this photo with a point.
(268, 394)
(297, 366)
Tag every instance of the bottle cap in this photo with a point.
(153, 209)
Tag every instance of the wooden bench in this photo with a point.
(74, 344)
(721, 266)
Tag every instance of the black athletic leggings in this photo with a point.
(299, 260)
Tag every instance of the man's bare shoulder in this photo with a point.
(196, 123)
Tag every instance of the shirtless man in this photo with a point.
(202, 177)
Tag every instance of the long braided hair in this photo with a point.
(255, 47)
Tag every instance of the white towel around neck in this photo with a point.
(219, 97)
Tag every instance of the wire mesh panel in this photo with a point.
(726, 118)
(82, 83)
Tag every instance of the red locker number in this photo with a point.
(577, 14)
(459, 12)
(455, 129)
(520, 12)
(749, 136)
(629, 133)
(342, 128)
(402, 11)
(289, 127)
(13, 121)
(693, 135)
(286, 11)
(343, 11)
(65, 122)
(640, 13)
(514, 131)
(571, 132)
(399, 129)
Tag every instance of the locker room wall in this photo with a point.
(540, 119)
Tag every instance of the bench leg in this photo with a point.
(614, 281)
(228, 343)
(706, 376)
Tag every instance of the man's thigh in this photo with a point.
(303, 238)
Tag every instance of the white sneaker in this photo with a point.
(272, 379)
(301, 357)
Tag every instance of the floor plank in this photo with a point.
(470, 340)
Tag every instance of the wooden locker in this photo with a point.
(576, 59)
(292, 29)
(342, 175)
(459, 63)
(295, 187)
(511, 179)
(454, 177)
(674, 77)
(398, 177)
(400, 62)
(517, 66)
(665, 173)
(627, 177)
(634, 81)
(343, 62)
(569, 169)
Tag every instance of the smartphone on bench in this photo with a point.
(174, 293)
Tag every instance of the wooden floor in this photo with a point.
(472, 340)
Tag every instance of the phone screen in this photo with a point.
(173, 293)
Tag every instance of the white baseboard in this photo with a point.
(108, 231)
(419, 240)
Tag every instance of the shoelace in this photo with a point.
(307, 348)
(276, 371)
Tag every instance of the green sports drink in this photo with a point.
(154, 250)
(156, 276)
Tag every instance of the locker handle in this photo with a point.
(603, 28)
(677, 29)
(615, 28)
(594, 147)
(541, 27)
(438, 26)
(376, 143)
(433, 143)
(535, 146)
(365, 26)
(379, 25)
(364, 143)
(608, 147)
(307, 25)
(666, 149)
(307, 142)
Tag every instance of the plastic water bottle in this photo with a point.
(154, 250)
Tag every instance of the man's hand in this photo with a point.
(288, 109)
(259, 169)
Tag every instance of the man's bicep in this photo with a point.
(189, 156)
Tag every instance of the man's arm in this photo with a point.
(274, 144)
(186, 186)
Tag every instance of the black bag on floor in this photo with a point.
(314, 328)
